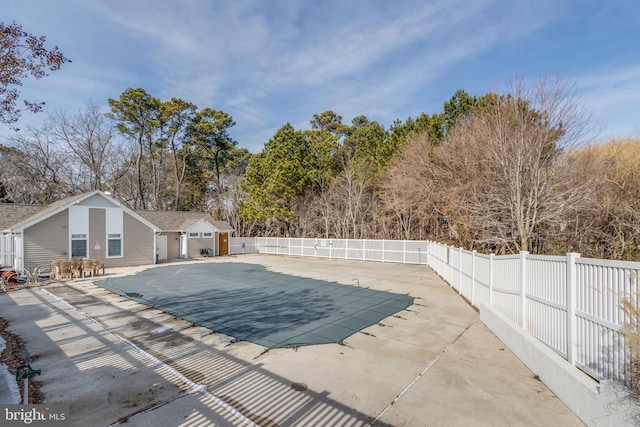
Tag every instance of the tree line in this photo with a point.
(497, 173)
(502, 172)
(150, 154)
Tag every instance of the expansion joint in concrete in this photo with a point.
(421, 374)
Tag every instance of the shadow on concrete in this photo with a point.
(259, 395)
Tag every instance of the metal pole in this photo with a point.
(25, 378)
(25, 391)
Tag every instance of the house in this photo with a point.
(188, 234)
(95, 225)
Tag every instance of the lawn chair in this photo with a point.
(97, 266)
(54, 267)
(76, 267)
(87, 268)
(65, 271)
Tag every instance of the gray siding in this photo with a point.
(97, 201)
(137, 244)
(173, 245)
(47, 241)
(196, 244)
(97, 233)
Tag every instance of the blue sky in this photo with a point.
(271, 62)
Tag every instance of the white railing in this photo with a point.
(572, 304)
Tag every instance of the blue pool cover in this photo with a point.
(250, 303)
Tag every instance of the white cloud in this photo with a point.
(267, 63)
(613, 95)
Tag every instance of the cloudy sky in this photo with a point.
(271, 62)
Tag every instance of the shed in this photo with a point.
(189, 234)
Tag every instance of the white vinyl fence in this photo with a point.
(572, 304)
(7, 250)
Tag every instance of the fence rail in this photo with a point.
(571, 304)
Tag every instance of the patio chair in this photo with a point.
(76, 267)
(87, 268)
(65, 271)
(54, 267)
(97, 266)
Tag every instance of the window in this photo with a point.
(194, 235)
(209, 234)
(115, 231)
(78, 246)
(114, 245)
(79, 231)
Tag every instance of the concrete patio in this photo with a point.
(115, 361)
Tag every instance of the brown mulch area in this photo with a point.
(15, 354)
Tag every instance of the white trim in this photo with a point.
(76, 201)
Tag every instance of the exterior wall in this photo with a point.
(195, 244)
(97, 201)
(198, 243)
(137, 244)
(97, 234)
(47, 241)
(173, 244)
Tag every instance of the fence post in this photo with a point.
(473, 278)
(450, 265)
(523, 289)
(448, 274)
(572, 286)
(364, 249)
(460, 271)
(404, 252)
(491, 258)
(427, 252)
(346, 249)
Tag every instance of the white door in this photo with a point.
(161, 241)
(183, 247)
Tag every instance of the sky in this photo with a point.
(269, 62)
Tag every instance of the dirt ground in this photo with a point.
(14, 355)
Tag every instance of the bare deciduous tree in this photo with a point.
(517, 144)
(34, 170)
(88, 138)
(498, 181)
